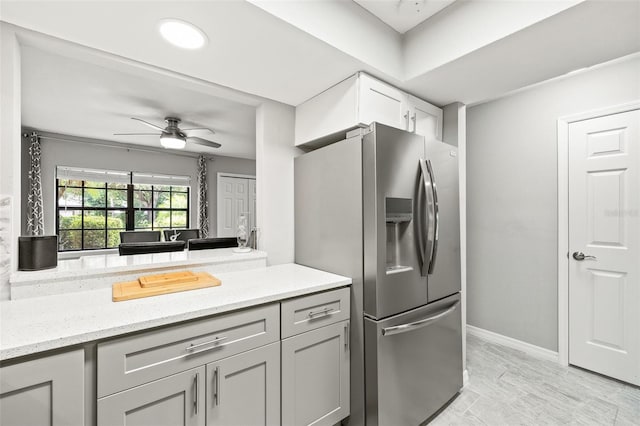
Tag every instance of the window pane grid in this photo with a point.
(91, 215)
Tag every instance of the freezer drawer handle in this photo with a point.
(389, 331)
(324, 311)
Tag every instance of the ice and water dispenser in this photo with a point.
(398, 216)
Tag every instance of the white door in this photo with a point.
(233, 199)
(604, 226)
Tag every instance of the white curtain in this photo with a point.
(203, 203)
(35, 220)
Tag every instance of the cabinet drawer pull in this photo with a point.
(324, 311)
(346, 336)
(216, 386)
(191, 347)
(195, 393)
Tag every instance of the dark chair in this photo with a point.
(139, 236)
(212, 243)
(182, 234)
(126, 249)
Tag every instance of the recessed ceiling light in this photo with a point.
(182, 34)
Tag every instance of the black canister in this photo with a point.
(37, 252)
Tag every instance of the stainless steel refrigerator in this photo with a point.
(382, 207)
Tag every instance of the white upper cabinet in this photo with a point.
(357, 102)
(382, 103)
(424, 119)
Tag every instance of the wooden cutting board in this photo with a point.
(167, 278)
(162, 284)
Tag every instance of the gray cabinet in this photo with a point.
(171, 401)
(223, 370)
(245, 389)
(315, 359)
(133, 360)
(315, 376)
(43, 391)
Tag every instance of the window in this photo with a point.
(92, 213)
(161, 207)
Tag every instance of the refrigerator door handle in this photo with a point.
(426, 244)
(436, 218)
(403, 328)
(420, 216)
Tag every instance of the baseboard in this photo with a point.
(465, 378)
(510, 342)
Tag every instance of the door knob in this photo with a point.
(578, 255)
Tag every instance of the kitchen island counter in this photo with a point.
(38, 324)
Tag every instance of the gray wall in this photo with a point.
(512, 199)
(60, 153)
(223, 165)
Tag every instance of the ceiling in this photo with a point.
(73, 97)
(467, 51)
(402, 15)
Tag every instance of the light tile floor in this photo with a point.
(509, 387)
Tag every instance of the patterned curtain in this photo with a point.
(203, 203)
(35, 221)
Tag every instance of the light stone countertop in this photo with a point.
(93, 272)
(38, 324)
(93, 265)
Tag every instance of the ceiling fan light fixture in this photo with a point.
(170, 141)
(182, 34)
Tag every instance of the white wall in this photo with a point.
(466, 26)
(454, 132)
(77, 154)
(220, 164)
(9, 154)
(274, 171)
(352, 30)
(512, 199)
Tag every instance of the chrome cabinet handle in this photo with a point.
(346, 336)
(414, 122)
(578, 255)
(389, 331)
(192, 347)
(406, 117)
(195, 394)
(216, 388)
(324, 311)
(436, 218)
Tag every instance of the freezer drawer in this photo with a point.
(413, 363)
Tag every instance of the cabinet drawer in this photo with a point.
(142, 358)
(310, 312)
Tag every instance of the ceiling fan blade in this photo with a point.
(129, 134)
(199, 128)
(148, 124)
(204, 142)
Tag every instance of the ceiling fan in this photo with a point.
(172, 136)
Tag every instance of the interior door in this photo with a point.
(233, 199)
(604, 242)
